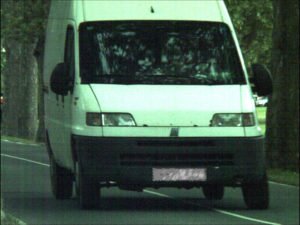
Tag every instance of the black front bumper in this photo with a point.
(129, 161)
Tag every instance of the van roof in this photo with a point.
(108, 10)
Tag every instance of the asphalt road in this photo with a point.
(25, 187)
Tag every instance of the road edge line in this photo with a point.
(21, 143)
(285, 185)
(215, 209)
(244, 217)
(26, 160)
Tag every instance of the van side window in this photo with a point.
(69, 58)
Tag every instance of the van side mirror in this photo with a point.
(262, 80)
(59, 82)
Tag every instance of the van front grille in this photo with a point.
(176, 160)
(174, 143)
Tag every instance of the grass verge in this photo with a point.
(283, 176)
(261, 116)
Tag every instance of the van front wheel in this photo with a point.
(61, 180)
(256, 194)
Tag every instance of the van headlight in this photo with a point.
(232, 120)
(110, 119)
(117, 119)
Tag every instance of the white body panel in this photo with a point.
(163, 105)
(162, 10)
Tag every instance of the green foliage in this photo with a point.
(3, 59)
(253, 21)
(23, 20)
(261, 115)
(284, 176)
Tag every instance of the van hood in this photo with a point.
(174, 105)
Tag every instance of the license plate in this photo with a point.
(179, 174)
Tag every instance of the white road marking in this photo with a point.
(20, 143)
(285, 185)
(214, 209)
(157, 193)
(26, 160)
(167, 196)
(244, 217)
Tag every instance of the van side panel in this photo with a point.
(60, 12)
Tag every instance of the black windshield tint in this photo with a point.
(158, 52)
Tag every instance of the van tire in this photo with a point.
(213, 192)
(256, 194)
(61, 180)
(88, 190)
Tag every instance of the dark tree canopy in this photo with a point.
(252, 20)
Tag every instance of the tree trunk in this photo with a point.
(283, 113)
(20, 76)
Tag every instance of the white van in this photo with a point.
(150, 94)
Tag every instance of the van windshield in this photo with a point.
(158, 52)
